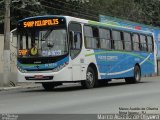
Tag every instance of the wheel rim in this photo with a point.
(90, 78)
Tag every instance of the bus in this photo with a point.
(54, 49)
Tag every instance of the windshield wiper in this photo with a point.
(45, 36)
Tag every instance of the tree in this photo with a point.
(142, 11)
(25, 8)
(151, 10)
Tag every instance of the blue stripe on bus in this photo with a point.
(119, 64)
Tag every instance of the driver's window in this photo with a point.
(75, 39)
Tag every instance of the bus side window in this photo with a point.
(105, 38)
(135, 38)
(91, 37)
(116, 36)
(88, 36)
(96, 38)
(127, 41)
(150, 43)
(143, 43)
(75, 37)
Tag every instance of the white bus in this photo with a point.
(56, 49)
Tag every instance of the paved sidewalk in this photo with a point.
(21, 86)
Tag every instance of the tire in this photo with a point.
(137, 76)
(91, 79)
(48, 86)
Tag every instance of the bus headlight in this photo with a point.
(21, 70)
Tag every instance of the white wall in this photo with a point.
(13, 51)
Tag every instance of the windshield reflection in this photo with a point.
(44, 43)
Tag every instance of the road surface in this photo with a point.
(114, 98)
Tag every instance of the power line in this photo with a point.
(58, 9)
(69, 11)
(75, 11)
(80, 9)
(71, 5)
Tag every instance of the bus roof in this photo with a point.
(118, 27)
(49, 16)
(111, 26)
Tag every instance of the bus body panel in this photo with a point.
(119, 64)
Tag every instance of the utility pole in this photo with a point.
(6, 52)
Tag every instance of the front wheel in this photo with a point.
(48, 86)
(137, 76)
(91, 79)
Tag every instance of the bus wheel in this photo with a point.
(91, 79)
(48, 86)
(137, 76)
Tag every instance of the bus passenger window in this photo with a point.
(127, 41)
(143, 43)
(105, 38)
(96, 37)
(118, 44)
(75, 39)
(150, 43)
(91, 37)
(88, 36)
(135, 39)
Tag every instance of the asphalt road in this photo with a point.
(114, 98)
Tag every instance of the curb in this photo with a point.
(19, 87)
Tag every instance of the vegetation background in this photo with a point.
(141, 11)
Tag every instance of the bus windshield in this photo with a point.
(42, 38)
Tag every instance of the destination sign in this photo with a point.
(30, 23)
(40, 23)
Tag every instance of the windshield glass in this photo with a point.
(46, 42)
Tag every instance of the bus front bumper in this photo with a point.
(60, 76)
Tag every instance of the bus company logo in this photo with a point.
(51, 65)
(34, 51)
(37, 66)
(108, 58)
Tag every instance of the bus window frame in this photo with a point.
(113, 45)
(98, 27)
(110, 39)
(153, 44)
(128, 41)
(136, 42)
(141, 43)
(95, 26)
(69, 42)
(122, 39)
